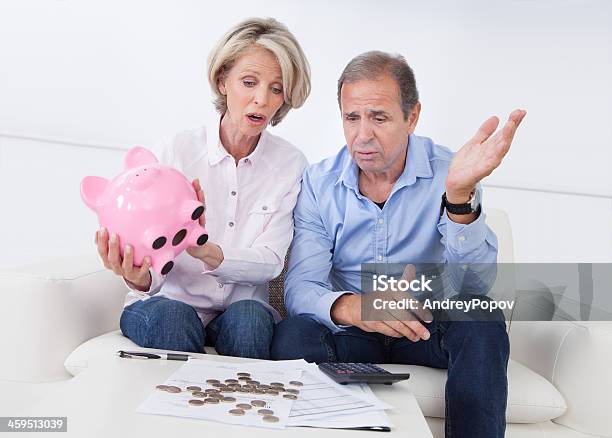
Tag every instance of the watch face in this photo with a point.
(475, 201)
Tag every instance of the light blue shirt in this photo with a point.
(337, 228)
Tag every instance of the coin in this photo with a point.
(231, 381)
(258, 403)
(254, 382)
(270, 419)
(244, 378)
(264, 387)
(227, 390)
(296, 383)
(194, 388)
(162, 387)
(173, 389)
(244, 406)
(228, 399)
(212, 400)
(277, 384)
(265, 412)
(219, 385)
(290, 396)
(236, 412)
(272, 392)
(199, 394)
(196, 402)
(243, 374)
(212, 381)
(215, 395)
(212, 391)
(292, 391)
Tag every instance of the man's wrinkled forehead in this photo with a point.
(370, 112)
(370, 95)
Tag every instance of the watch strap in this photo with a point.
(459, 209)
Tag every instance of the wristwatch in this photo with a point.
(472, 206)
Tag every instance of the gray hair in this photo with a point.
(375, 64)
(273, 36)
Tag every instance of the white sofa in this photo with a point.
(58, 317)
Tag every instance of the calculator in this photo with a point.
(344, 373)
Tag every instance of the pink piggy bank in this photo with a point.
(150, 206)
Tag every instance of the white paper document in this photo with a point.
(195, 372)
(325, 403)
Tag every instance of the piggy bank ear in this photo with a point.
(92, 188)
(138, 156)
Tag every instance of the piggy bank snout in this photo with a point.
(143, 177)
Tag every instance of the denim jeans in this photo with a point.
(244, 329)
(474, 352)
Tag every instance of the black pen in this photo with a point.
(143, 355)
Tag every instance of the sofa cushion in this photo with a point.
(531, 398)
(103, 346)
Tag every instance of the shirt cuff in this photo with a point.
(323, 310)
(465, 238)
(156, 282)
(234, 267)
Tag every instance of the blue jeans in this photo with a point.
(474, 352)
(244, 329)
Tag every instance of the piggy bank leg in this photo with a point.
(163, 264)
(197, 236)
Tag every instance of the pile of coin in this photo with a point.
(243, 384)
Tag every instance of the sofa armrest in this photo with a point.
(49, 309)
(577, 358)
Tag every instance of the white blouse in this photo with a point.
(249, 214)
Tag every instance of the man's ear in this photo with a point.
(413, 118)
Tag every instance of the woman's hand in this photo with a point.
(200, 193)
(138, 277)
(209, 253)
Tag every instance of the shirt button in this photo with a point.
(231, 224)
(264, 208)
(220, 285)
(233, 193)
(461, 238)
(381, 221)
(380, 257)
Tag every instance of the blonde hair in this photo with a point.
(275, 37)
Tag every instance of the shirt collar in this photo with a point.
(416, 165)
(216, 151)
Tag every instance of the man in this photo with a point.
(379, 201)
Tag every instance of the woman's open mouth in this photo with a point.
(256, 119)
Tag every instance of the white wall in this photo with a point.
(114, 74)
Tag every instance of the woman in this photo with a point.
(217, 293)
